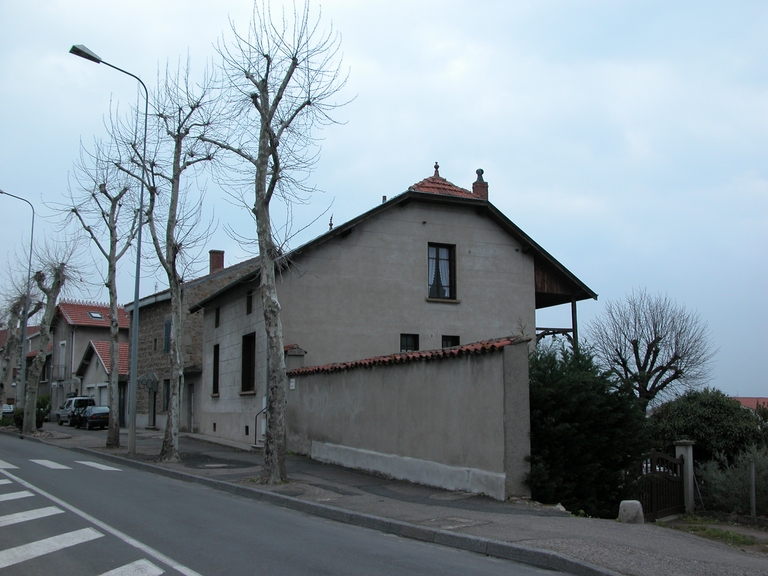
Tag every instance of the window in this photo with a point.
(450, 341)
(409, 342)
(249, 363)
(95, 315)
(442, 271)
(167, 338)
(217, 317)
(249, 302)
(215, 370)
(154, 345)
(166, 394)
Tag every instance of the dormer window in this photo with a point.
(95, 315)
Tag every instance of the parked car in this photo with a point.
(92, 417)
(66, 410)
(7, 411)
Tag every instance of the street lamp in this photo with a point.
(22, 390)
(83, 52)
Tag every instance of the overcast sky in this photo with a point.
(629, 139)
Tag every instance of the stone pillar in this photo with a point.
(684, 448)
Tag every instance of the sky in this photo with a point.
(629, 139)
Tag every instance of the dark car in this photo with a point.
(92, 417)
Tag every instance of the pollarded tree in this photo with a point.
(106, 208)
(57, 266)
(282, 78)
(13, 313)
(652, 344)
(182, 114)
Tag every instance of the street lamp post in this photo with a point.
(22, 390)
(83, 52)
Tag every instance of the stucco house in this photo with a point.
(154, 354)
(93, 372)
(437, 266)
(75, 324)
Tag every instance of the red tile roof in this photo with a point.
(751, 401)
(77, 314)
(102, 349)
(33, 353)
(482, 347)
(438, 185)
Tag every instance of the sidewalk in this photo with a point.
(534, 534)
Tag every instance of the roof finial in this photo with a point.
(330, 223)
(479, 173)
(437, 170)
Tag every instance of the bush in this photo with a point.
(718, 424)
(42, 410)
(725, 487)
(585, 431)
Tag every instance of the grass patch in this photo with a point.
(731, 538)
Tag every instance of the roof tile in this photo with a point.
(436, 184)
(79, 313)
(102, 349)
(482, 347)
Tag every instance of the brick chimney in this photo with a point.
(480, 186)
(216, 260)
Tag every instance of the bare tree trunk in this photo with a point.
(113, 429)
(12, 350)
(170, 448)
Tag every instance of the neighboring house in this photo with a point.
(93, 372)
(154, 354)
(75, 324)
(435, 267)
(751, 401)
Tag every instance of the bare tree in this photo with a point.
(107, 211)
(182, 114)
(281, 78)
(14, 313)
(56, 268)
(653, 344)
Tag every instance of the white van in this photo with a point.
(68, 408)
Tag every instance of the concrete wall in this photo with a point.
(461, 423)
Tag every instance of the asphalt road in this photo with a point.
(62, 512)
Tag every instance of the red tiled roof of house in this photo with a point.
(438, 185)
(482, 347)
(33, 353)
(102, 349)
(751, 401)
(90, 314)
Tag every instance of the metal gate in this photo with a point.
(660, 485)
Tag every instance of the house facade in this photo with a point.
(154, 348)
(74, 326)
(93, 372)
(435, 267)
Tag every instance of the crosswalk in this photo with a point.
(16, 493)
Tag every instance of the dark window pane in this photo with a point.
(450, 341)
(249, 302)
(215, 387)
(167, 338)
(409, 342)
(249, 362)
(441, 271)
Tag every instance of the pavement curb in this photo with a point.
(488, 547)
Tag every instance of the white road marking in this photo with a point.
(5, 466)
(18, 554)
(2, 482)
(138, 568)
(51, 465)
(159, 556)
(9, 519)
(15, 495)
(97, 465)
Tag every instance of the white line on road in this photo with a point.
(2, 482)
(97, 465)
(51, 465)
(139, 568)
(15, 495)
(5, 466)
(9, 519)
(18, 554)
(107, 528)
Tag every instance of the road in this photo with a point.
(66, 513)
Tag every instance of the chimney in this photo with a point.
(480, 186)
(216, 260)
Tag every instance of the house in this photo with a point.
(435, 267)
(752, 402)
(93, 372)
(154, 354)
(75, 325)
